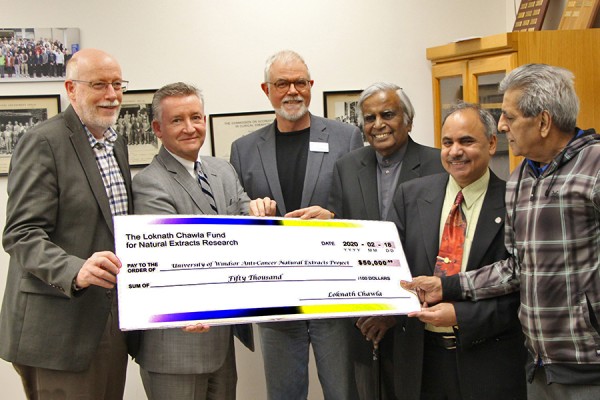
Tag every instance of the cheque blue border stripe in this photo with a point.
(253, 222)
(239, 313)
(214, 221)
(268, 311)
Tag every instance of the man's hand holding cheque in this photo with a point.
(429, 291)
(428, 288)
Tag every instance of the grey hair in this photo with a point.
(545, 87)
(486, 118)
(283, 56)
(177, 89)
(407, 107)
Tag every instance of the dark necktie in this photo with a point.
(450, 256)
(204, 185)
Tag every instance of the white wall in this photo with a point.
(221, 46)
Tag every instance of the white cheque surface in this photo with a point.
(179, 270)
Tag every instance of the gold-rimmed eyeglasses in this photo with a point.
(118, 86)
(283, 85)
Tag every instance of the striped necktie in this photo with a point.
(204, 185)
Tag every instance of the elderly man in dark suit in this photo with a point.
(69, 176)
(364, 182)
(291, 161)
(449, 223)
(175, 364)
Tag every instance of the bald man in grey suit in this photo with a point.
(68, 177)
(175, 363)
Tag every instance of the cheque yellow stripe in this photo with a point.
(341, 308)
(321, 223)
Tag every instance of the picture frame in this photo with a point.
(23, 112)
(37, 54)
(531, 15)
(579, 14)
(226, 128)
(341, 105)
(134, 123)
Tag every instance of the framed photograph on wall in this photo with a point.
(135, 124)
(37, 54)
(18, 114)
(342, 105)
(225, 128)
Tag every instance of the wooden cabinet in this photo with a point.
(471, 70)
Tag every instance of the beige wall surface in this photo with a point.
(221, 47)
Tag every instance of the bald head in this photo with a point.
(97, 105)
(89, 59)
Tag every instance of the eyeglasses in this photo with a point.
(101, 86)
(283, 85)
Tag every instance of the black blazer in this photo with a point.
(354, 193)
(491, 354)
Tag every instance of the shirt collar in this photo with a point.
(472, 192)
(109, 137)
(187, 164)
(395, 158)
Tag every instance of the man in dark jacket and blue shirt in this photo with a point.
(552, 233)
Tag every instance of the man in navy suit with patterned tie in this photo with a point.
(461, 350)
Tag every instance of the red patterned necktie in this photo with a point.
(449, 259)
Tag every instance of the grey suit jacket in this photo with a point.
(254, 158)
(354, 192)
(490, 342)
(166, 187)
(58, 215)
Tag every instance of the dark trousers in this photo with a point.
(103, 380)
(440, 373)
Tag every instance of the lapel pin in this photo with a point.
(498, 220)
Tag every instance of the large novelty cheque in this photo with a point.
(181, 270)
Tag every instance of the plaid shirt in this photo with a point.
(109, 170)
(556, 221)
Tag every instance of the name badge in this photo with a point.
(319, 147)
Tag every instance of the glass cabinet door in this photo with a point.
(485, 75)
(475, 81)
(448, 87)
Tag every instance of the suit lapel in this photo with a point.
(268, 158)
(489, 223)
(86, 157)
(410, 163)
(123, 161)
(367, 180)
(430, 210)
(183, 177)
(216, 185)
(314, 161)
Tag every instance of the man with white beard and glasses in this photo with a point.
(69, 176)
(291, 161)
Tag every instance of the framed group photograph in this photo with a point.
(225, 128)
(18, 114)
(342, 105)
(36, 54)
(135, 125)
